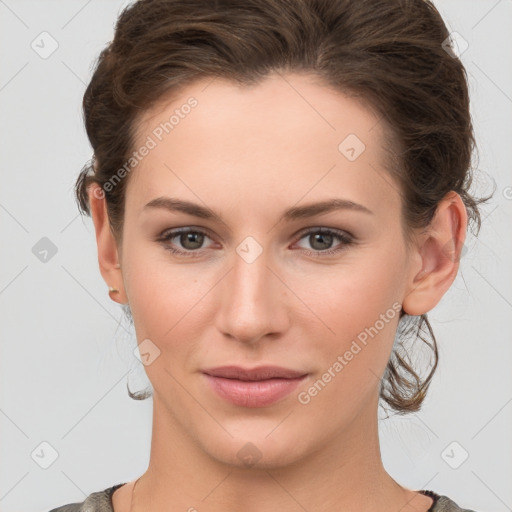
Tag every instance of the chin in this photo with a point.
(253, 448)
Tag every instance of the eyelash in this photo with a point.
(345, 238)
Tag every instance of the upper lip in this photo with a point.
(259, 373)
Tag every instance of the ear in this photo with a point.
(108, 257)
(436, 256)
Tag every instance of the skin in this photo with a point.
(249, 154)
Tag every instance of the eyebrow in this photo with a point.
(294, 213)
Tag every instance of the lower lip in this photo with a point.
(253, 393)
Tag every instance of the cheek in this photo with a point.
(354, 296)
(171, 307)
(361, 304)
(354, 360)
(159, 292)
(169, 312)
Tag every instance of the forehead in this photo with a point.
(292, 100)
(286, 136)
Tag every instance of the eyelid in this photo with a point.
(338, 231)
(167, 235)
(186, 229)
(297, 236)
(171, 233)
(345, 238)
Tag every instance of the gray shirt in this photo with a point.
(102, 502)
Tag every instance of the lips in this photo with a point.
(260, 373)
(255, 387)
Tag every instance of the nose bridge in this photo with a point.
(250, 306)
(250, 272)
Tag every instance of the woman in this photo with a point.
(280, 194)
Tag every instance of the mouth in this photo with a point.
(256, 387)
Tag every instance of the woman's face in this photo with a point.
(257, 282)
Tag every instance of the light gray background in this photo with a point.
(65, 352)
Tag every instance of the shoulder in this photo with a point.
(100, 501)
(444, 503)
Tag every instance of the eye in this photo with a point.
(321, 240)
(190, 239)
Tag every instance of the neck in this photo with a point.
(344, 473)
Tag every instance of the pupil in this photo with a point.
(189, 237)
(321, 237)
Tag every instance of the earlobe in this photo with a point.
(108, 257)
(437, 256)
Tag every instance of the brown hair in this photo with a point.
(392, 54)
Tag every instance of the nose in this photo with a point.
(252, 300)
